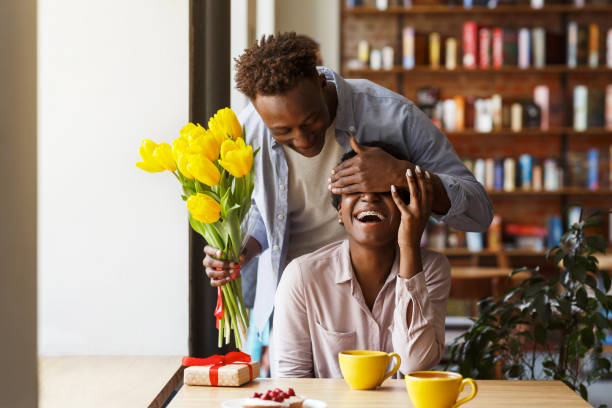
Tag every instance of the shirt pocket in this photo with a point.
(326, 345)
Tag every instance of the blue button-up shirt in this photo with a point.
(370, 113)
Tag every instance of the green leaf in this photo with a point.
(184, 197)
(603, 363)
(600, 321)
(606, 281)
(540, 334)
(583, 392)
(590, 280)
(550, 365)
(587, 336)
(581, 298)
(596, 242)
(515, 371)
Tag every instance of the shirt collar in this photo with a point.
(346, 273)
(345, 119)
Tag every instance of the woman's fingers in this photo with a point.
(421, 182)
(413, 187)
(398, 200)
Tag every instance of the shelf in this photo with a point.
(564, 191)
(444, 9)
(532, 132)
(424, 69)
(485, 252)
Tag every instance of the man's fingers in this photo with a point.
(353, 188)
(356, 146)
(213, 273)
(209, 262)
(214, 252)
(343, 166)
(346, 181)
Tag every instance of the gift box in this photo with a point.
(231, 370)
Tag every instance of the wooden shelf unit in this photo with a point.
(383, 28)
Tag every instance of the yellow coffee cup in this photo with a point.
(437, 389)
(365, 369)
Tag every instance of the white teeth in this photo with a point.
(364, 214)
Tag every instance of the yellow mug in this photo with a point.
(365, 369)
(437, 389)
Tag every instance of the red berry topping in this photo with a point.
(290, 392)
(278, 399)
(266, 397)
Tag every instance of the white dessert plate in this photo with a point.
(308, 403)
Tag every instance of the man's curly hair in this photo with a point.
(276, 64)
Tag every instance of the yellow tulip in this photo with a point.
(180, 146)
(236, 157)
(163, 155)
(203, 169)
(225, 124)
(192, 132)
(149, 163)
(207, 145)
(182, 163)
(204, 208)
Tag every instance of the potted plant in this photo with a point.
(545, 328)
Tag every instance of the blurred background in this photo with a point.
(95, 252)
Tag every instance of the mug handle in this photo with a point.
(472, 394)
(397, 366)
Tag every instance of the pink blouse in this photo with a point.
(320, 311)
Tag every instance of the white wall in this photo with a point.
(319, 19)
(112, 239)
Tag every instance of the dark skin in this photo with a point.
(372, 245)
(299, 119)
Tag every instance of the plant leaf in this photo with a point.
(540, 334)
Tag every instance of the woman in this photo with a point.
(378, 290)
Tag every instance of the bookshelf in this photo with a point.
(383, 28)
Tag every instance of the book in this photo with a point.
(609, 49)
(483, 115)
(596, 101)
(593, 45)
(538, 36)
(593, 169)
(387, 57)
(354, 3)
(498, 48)
(474, 241)
(363, 52)
(460, 113)
(496, 111)
(375, 59)
(580, 108)
(524, 49)
(489, 174)
(484, 48)
(583, 45)
(531, 115)
(572, 44)
(555, 231)
(541, 96)
(608, 114)
(537, 177)
(510, 47)
(498, 176)
(516, 117)
(469, 44)
(526, 164)
(434, 50)
(537, 4)
(577, 168)
(509, 174)
(479, 171)
(449, 115)
(551, 175)
(408, 47)
(382, 4)
(451, 54)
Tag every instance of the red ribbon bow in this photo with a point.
(219, 308)
(217, 361)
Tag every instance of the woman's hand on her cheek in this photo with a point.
(417, 212)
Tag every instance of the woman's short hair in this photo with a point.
(392, 150)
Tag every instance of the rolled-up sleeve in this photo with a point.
(471, 208)
(292, 356)
(418, 320)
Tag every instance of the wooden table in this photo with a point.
(107, 381)
(524, 394)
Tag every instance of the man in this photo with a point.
(303, 119)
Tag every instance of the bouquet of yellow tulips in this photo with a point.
(215, 169)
